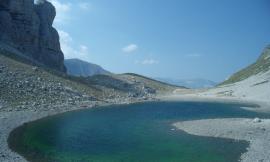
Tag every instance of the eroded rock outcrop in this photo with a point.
(28, 27)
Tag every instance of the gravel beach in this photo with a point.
(14, 119)
(9, 120)
(255, 131)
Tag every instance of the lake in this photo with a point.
(140, 132)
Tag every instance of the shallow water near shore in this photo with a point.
(137, 132)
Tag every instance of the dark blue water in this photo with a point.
(138, 132)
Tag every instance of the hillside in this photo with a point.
(23, 86)
(160, 87)
(129, 85)
(260, 66)
(77, 67)
(190, 83)
(251, 83)
(256, 87)
(29, 93)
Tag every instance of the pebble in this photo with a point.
(257, 120)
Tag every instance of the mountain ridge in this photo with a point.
(24, 85)
(261, 65)
(77, 67)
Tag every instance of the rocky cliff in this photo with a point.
(27, 27)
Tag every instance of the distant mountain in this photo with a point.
(77, 67)
(190, 83)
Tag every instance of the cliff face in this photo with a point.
(28, 27)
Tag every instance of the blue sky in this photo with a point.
(186, 39)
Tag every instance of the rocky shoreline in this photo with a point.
(28, 93)
(10, 120)
(255, 131)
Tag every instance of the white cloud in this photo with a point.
(81, 52)
(61, 7)
(147, 62)
(64, 37)
(130, 48)
(64, 15)
(194, 55)
(84, 6)
(62, 11)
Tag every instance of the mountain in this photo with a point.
(23, 86)
(158, 86)
(190, 83)
(32, 70)
(26, 27)
(251, 84)
(134, 85)
(76, 67)
(260, 66)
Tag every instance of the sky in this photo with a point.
(177, 39)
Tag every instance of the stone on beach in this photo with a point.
(257, 120)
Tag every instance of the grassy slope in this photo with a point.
(161, 87)
(129, 83)
(261, 65)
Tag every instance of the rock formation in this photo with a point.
(28, 27)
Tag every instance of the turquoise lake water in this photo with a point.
(129, 133)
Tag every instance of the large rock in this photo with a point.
(28, 27)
